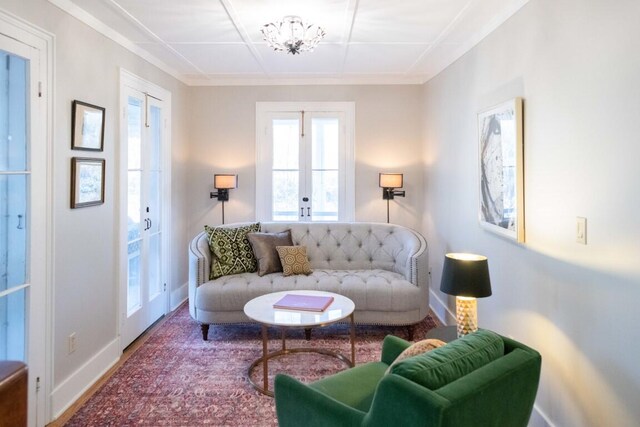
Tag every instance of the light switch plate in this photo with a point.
(581, 230)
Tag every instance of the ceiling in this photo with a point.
(218, 42)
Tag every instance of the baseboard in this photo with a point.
(441, 310)
(71, 389)
(539, 418)
(178, 296)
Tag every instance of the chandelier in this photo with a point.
(292, 35)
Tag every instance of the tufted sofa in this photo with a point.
(381, 267)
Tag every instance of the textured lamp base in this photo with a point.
(466, 315)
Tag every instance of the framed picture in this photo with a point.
(87, 182)
(87, 127)
(501, 169)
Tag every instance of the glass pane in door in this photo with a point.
(13, 231)
(134, 293)
(154, 266)
(134, 132)
(325, 161)
(286, 170)
(13, 325)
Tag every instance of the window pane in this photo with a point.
(135, 132)
(285, 144)
(13, 231)
(134, 276)
(156, 140)
(325, 143)
(133, 206)
(155, 286)
(285, 196)
(325, 196)
(12, 326)
(154, 201)
(13, 113)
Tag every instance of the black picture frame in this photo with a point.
(87, 126)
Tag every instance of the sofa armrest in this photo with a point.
(392, 346)
(297, 403)
(199, 262)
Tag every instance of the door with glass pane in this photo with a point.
(145, 284)
(22, 216)
(306, 152)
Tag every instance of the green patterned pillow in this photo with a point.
(231, 251)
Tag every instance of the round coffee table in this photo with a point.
(262, 311)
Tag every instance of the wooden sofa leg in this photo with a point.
(205, 331)
(410, 331)
(307, 334)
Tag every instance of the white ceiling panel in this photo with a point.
(326, 58)
(184, 20)
(404, 21)
(219, 41)
(329, 14)
(390, 58)
(220, 58)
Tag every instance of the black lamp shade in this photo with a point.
(466, 275)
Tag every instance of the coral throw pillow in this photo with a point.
(294, 260)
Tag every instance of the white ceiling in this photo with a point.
(218, 42)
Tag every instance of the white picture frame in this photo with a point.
(501, 174)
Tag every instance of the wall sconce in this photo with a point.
(223, 183)
(466, 276)
(389, 182)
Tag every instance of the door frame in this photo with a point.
(41, 315)
(263, 166)
(130, 80)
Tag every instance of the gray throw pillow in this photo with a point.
(264, 249)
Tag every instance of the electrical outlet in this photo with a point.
(72, 343)
(581, 230)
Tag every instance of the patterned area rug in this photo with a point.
(177, 379)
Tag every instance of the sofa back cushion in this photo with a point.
(443, 365)
(354, 246)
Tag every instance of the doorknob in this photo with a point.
(308, 211)
(301, 211)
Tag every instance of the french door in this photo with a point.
(144, 247)
(23, 210)
(305, 162)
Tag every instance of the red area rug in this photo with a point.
(177, 379)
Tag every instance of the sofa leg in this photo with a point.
(410, 331)
(205, 331)
(307, 334)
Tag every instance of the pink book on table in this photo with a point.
(304, 302)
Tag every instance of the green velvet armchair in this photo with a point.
(483, 379)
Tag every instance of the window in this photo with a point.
(305, 161)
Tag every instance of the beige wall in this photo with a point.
(85, 280)
(223, 138)
(576, 63)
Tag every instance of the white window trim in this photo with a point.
(263, 168)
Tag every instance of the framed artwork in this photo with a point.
(87, 127)
(501, 169)
(87, 182)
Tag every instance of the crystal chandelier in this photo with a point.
(292, 35)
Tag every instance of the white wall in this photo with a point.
(85, 277)
(577, 65)
(223, 137)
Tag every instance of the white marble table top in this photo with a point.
(261, 310)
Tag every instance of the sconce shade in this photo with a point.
(466, 275)
(225, 181)
(390, 180)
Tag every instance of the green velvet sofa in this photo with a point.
(482, 379)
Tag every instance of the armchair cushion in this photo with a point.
(452, 361)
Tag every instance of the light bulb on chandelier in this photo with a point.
(291, 35)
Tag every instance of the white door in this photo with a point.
(145, 284)
(305, 165)
(23, 195)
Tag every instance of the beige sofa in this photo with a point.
(381, 267)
